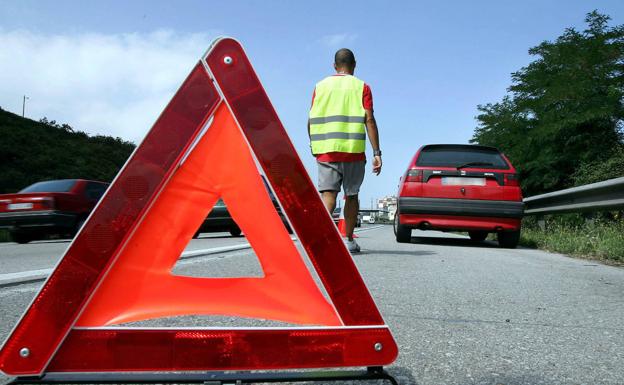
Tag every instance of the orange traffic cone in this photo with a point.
(342, 226)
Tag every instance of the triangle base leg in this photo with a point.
(210, 378)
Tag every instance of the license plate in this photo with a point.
(462, 181)
(20, 206)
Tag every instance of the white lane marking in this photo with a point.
(13, 278)
(368, 229)
(23, 276)
(214, 250)
(18, 289)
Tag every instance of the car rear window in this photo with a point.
(456, 156)
(51, 186)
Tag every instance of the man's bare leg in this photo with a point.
(329, 199)
(352, 206)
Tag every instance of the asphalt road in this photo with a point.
(462, 313)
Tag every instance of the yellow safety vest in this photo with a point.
(337, 117)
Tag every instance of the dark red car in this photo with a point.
(453, 187)
(57, 207)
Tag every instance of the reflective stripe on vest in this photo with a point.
(337, 135)
(337, 117)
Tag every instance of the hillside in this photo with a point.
(32, 151)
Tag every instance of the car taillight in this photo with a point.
(511, 180)
(414, 176)
(47, 203)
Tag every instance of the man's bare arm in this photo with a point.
(373, 136)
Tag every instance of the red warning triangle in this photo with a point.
(118, 268)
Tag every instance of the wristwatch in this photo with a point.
(376, 152)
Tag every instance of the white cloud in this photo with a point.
(338, 40)
(107, 84)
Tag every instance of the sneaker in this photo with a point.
(352, 246)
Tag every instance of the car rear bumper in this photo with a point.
(217, 224)
(461, 207)
(459, 223)
(37, 219)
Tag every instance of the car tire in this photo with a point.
(509, 239)
(21, 237)
(402, 233)
(478, 236)
(235, 231)
(286, 224)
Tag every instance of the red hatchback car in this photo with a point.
(50, 207)
(454, 187)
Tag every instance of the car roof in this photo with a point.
(460, 146)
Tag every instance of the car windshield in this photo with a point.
(51, 186)
(461, 156)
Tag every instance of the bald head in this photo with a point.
(344, 60)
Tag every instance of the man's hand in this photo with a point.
(373, 136)
(376, 165)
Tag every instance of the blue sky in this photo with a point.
(110, 67)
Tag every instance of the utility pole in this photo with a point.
(24, 105)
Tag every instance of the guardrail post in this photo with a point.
(541, 222)
(590, 218)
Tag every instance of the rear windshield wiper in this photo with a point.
(474, 164)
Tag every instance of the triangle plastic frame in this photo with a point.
(47, 338)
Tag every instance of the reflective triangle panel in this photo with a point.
(124, 350)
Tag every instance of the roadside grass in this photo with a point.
(600, 238)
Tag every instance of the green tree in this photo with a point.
(564, 110)
(593, 172)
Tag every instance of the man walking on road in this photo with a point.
(340, 117)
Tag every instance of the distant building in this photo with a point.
(387, 207)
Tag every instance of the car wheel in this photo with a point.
(235, 231)
(402, 233)
(478, 236)
(508, 239)
(286, 224)
(21, 237)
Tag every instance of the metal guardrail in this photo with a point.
(601, 196)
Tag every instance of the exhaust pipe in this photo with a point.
(424, 226)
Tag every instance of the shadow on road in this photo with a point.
(529, 379)
(402, 375)
(397, 252)
(219, 236)
(66, 240)
(459, 242)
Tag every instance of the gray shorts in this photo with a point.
(333, 175)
